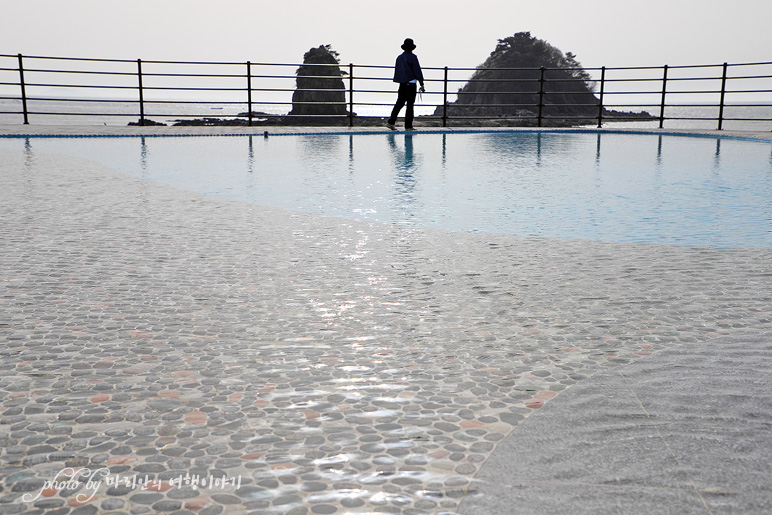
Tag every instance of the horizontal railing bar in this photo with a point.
(728, 105)
(89, 72)
(80, 114)
(75, 100)
(748, 91)
(241, 76)
(391, 104)
(128, 101)
(611, 68)
(652, 79)
(150, 74)
(321, 103)
(384, 67)
(745, 119)
(361, 77)
(212, 102)
(275, 90)
(157, 115)
(387, 91)
(725, 118)
(689, 79)
(484, 93)
(231, 63)
(73, 58)
(171, 88)
(691, 92)
(97, 86)
(235, 76)
(475, 106)
(633, 93)
(491, 117)
(488, 93)
(666, 105)
(747, 77)
(505, 80)
(636, 105)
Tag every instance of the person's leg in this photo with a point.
(401, 99)
(410, 94)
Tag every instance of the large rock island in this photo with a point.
(320, 95)
(511, 84)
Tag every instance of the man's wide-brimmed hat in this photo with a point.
(408, 44)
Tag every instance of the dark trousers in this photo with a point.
(405, 95)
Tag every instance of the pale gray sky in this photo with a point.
(447, 32)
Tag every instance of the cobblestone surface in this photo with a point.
(316, 365)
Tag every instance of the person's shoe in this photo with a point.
(391, 126)
(409, 128)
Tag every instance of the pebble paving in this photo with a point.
(311, 365)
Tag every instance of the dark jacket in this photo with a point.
(407, 69)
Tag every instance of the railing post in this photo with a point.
(662, 103)
(350, 94)
(600, 104)
(721, 101)
(541, 95)
(445, 99)
(249, 93)
(23, 91)
(141, 94)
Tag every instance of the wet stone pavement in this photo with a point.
(188, 354)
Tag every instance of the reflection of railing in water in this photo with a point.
(256, 86)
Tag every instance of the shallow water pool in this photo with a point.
(575, 185)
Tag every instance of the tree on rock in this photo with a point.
(508, 83)
(320, 89)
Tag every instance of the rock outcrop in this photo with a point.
(320, 96)
(509, 82)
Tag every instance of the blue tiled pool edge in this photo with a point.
(204, 131)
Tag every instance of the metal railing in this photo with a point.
(36, 86)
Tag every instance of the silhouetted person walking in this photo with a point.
(407, 72)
